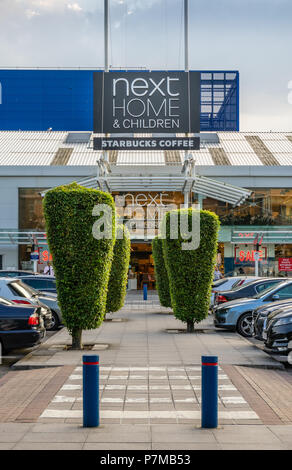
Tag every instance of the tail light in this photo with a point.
(33, 320)
(240, 283)
(221, 299)
(26, 302)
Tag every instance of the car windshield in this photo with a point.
(245, 284)
(22, 290)
(266, 291)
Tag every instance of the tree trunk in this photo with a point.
(77, 338)
(190, 326)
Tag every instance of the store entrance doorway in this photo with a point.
(142, 265)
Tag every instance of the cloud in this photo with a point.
(74, 7)
(31, 14)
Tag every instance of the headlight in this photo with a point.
(283, 321)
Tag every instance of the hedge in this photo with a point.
(161, 276)
(191, 272)
(81, 262)
(117, 286)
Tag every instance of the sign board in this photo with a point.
(147, 102)
(247, 255)
(148, 143)
(285, 264)
(34, 256)
(256, 255)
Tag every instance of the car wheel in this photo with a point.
(55, 322)
(244, 325)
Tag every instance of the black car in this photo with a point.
(247, 290)
(278, 334)
(21, 326)
(260, 314)
(41, 283)
(12, 273)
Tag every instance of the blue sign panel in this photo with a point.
(37, 100)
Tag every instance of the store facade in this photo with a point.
(245, 178)
(151, 183)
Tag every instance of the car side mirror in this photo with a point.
(276, 297)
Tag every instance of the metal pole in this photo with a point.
(106, 47)
(90, 391)
(186, 22)
(209, 391)
(145, 291)
(106, 30)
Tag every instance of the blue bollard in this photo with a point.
(209, 391)
(145, 291)
(90, 391)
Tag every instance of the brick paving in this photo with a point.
(150, 390)
(25, 394)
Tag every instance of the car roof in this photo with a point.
(37, 276)
(17, 271)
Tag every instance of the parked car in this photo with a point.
(228, 283)
(237, 314)
(261, 313)
(41, 283)
(16, 290)
(16, 273)
(278, 334)
(21, 326)
(246, 290)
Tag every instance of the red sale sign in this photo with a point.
(285, 264)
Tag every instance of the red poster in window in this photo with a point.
(285, 264)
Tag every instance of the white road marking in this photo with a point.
(63, 399)
(120, 414)
(233, 400)
(115, 387)
(71, 387)
(226, 387)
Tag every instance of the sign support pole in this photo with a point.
(106, 49)
(186, 43)
(186, 22)
(106, 29)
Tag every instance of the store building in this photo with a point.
(244, 177)
(31, 162)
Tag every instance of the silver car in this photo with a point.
(237, 314)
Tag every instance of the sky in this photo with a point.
(252, 36)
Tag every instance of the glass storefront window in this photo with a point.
(30, 217)
(264, 207)
(31, 214)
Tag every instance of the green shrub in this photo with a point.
(81, 262)
(117, 286)
(191, 272)
(161, 275)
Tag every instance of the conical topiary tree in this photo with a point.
(117, 286)
(161, 276)
(190, 271)
(81, 262)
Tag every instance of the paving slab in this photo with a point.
(143, 340)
